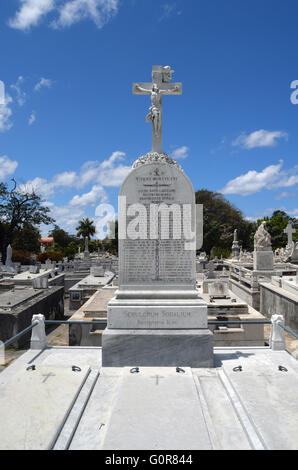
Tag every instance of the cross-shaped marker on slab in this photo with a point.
(48, 376)
(157, 377)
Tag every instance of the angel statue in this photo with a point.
(262, 238)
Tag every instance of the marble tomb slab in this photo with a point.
(148, 411)
(34, 405)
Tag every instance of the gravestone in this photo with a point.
(235, 246)
(34, 269)
(291, 251)
(211, 274)
(218, 289)
(48, 264)
(9, 266)
(97, 271)
(157, 317)
(263, 258)
(290, 231)
(86, 251)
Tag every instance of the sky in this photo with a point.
(71, 128)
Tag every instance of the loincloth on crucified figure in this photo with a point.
(154, 117)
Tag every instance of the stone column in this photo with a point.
(277, 337)
(235, 247)
(38, 336)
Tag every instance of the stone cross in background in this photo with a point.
(160, 85)
(290, 231)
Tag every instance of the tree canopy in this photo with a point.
(19, 209)
(221, 218)
(61, 237)
(86, 228)
(276, 225)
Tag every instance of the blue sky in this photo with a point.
(71, 127)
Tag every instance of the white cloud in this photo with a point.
(32, 118)
(293, 213)
(7, 167)
(68, 12)
(30, 13)
(67, 216)
(286, 194)
(113, 158)
(106, 173)
(287, 179)
(5, 114)
(253, 181)
(263, 213)
(89, 199)
(283, 195)
(39, 185)
(43, 83)
(110, 172)
(21, 95)
(268, 213)
(260, 138)
(180, 153)
(168, 10)
(67, 178)
(99, 11)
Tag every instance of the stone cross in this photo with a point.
(290, 230)
(160, 85)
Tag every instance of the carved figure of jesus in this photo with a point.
(155, 109)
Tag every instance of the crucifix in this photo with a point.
(290, 230)
(161, 77)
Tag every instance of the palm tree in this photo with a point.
(86, 228)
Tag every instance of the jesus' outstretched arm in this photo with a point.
(142, 90)
(168, 92)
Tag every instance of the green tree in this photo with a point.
(220, 219)
(19, 207)
(86, 228)
(276, 225)
(27, 238)
(71, 249)
(62, 238)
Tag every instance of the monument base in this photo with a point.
(157, 348)
(263, 260)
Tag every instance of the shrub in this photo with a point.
(52, 255)
(21, 256)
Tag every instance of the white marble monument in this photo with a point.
(157, 317)
(263, 255)
(291, 251)
(235, 247)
